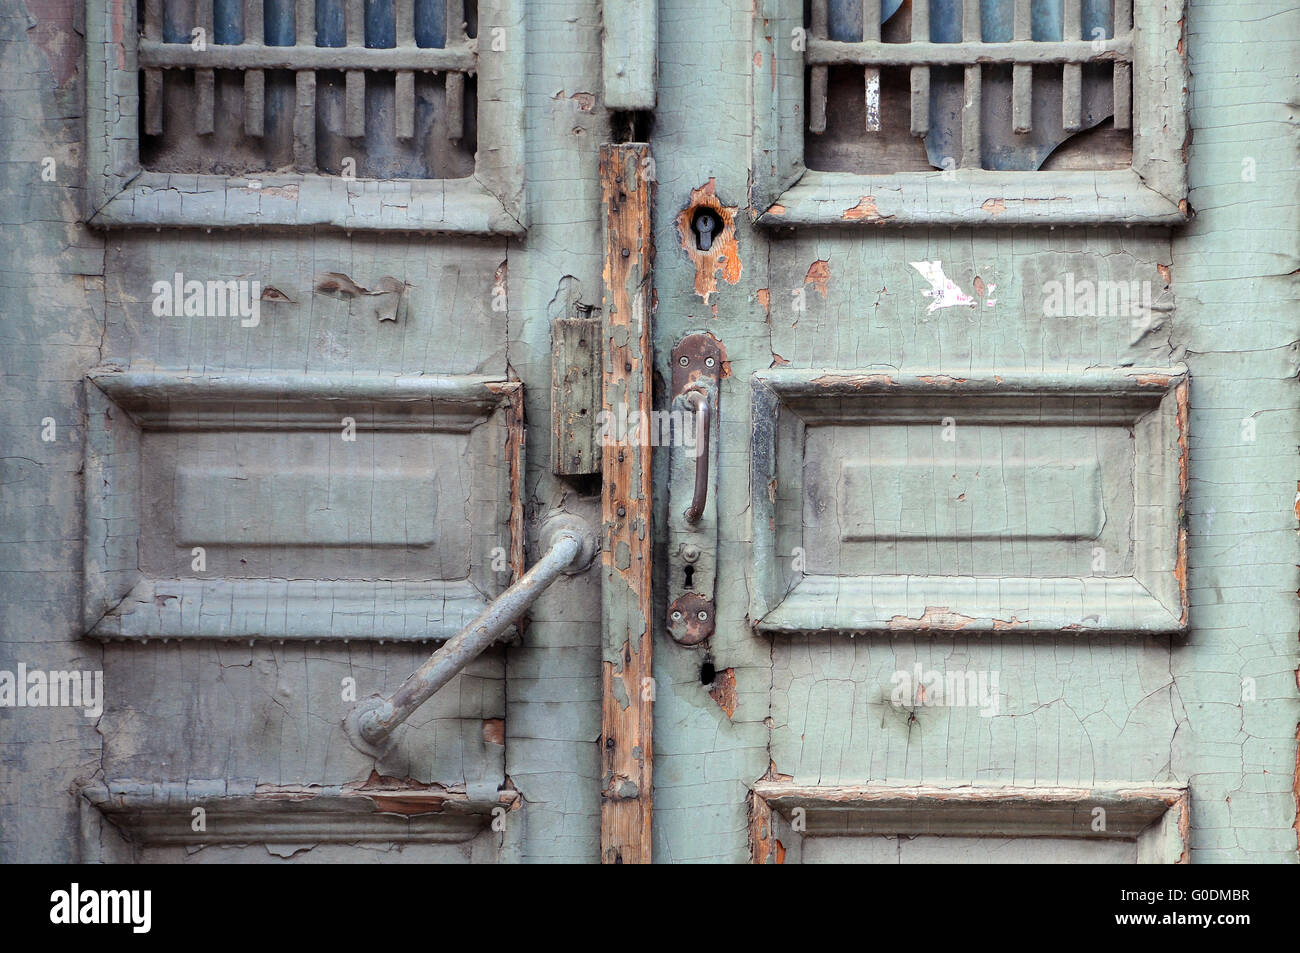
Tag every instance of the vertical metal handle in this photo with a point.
(703, 424)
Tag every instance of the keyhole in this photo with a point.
(688, 576)
(706, 226)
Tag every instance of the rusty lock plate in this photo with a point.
(690, 619)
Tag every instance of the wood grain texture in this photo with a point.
(627, 687)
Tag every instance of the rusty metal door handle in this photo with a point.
(570, 547)
(703, 423)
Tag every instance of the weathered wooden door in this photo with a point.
(928, 267)
(929, 388)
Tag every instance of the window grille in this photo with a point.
(892, 112)
(322, 55)
(383, 115)
(972, 59)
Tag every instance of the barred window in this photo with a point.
(380, 114)
(1006, 111)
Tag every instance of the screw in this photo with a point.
(709, 362)
(683, 360)
(677, 616)
(702, 616)
(690, 552)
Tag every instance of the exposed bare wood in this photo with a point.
(575, 395)
(254, 79)
(627, 685)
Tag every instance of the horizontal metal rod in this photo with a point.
(376, 719)
(836, 53)
(155, 55)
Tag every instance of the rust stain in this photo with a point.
(778, 361)
(723, 255)
(1152, 380)
(494, 731)
(1165, 273)
(1181, 396)
(723, 690)
(1295, 790)
(819, 275)
(584, 101)
(777, 209)
(994, 207)
(758, 59)
(934, 617)
(1185, 829)
(865, 211)
(1297, 500)
(941, 380)
(765, 299)
(1013, 623)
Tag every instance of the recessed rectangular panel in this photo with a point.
(1039, 502)
(990, 498)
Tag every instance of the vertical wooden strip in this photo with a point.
(204, 102)
(970, 119)
(354, 104)
(455, 108)
(1123, 90)
(818, 75)
(255, 102)
(973, 105)
(920, 74)
(304, 19)
(871, 74)
(627, 700)
(1072, 97)
(354, 101)
(1022, 98)
(405, 24)
(1072, 73)
(1123, 79)
(153, 78)
(404, 104)
(1022, 74)
(455, 22)
(254, 79)
(575, 394)
(971, 29)
(628, 47)
(304, 122)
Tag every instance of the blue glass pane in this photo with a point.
(381, 24)
(330, 24)
(844, 18)
(430, 23)
(277, 23)
(227, 22)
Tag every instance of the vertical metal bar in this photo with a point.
(1022, 74)
(818, 75)
(627, 705)
(1072, 73)
(254, 79)
(871, 74)
(973, 105)
(920, 74)
(1123, 79)
(204, 79)
(153, 78)
(354, 98)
